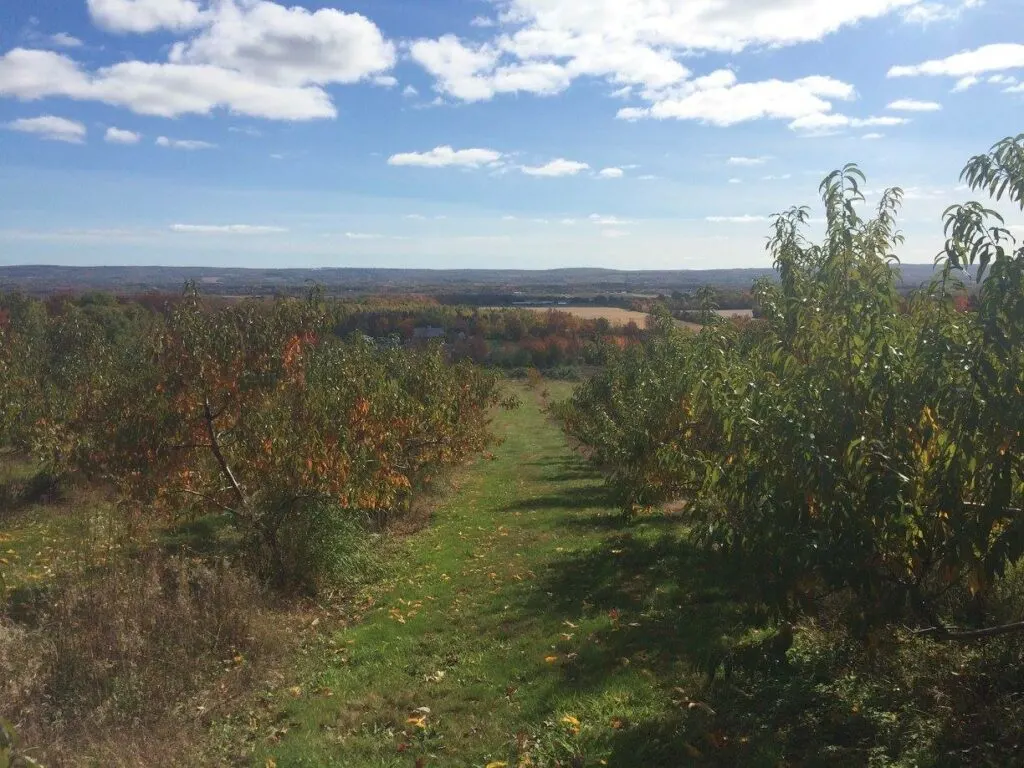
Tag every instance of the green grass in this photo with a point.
(530, 624)
(43, 530)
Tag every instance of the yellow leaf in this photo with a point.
(570, 720)
(270, 763)
(550, 659)
(295, 691)
(497, 764)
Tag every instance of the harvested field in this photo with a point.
(613, 315)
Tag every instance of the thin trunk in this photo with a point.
(219, 455)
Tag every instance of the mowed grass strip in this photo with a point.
(524, 627)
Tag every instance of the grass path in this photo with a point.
(523, 627)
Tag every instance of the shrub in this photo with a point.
(323, 546)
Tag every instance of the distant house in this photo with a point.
(428, 332)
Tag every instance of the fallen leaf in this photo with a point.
(570, 720)
(550, 659)
(497, 764)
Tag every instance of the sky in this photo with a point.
(630, 134)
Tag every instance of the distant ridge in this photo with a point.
(43, 279)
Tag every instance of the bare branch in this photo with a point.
(943, 634)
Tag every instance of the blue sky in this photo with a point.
(481, 133)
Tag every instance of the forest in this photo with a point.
(299, 531)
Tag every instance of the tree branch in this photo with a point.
(219, 455)
(210, 499)
(943, 634)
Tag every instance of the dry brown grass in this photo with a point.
(117, 665)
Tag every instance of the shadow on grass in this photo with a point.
(660, 607)
(654, 612)
(208, 535)
(20, 492)
(584, 497)
(616, 521)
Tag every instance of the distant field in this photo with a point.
(613, 315)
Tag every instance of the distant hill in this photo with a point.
(230, 282)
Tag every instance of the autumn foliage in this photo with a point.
(255, 409)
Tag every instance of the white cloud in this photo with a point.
(930, 12)
(745, 219)
(119, 136)
(1002, 80)
(30, 74)
(735, 181)
(163, 90)
(51, 128)
(416, 217)
(545, 44)
(409, 91)
(64, 40)
(363, 236)
(925, 193)
(719, 100)
(614, 233)
(186, 144)
(777, 177)
(482, 22)
(226, 229)
(559, 167)
(442, 157)
(1019, 88)
(508, 217)
(471, 73)
(568, 222)
(141, 16)
(289, 46)
(747, 161)
(611, 173)
(823, 124)
(873, 136)
(252, 57)
(913, 105)
(987, 58)
(964, 83)
(607, 221)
